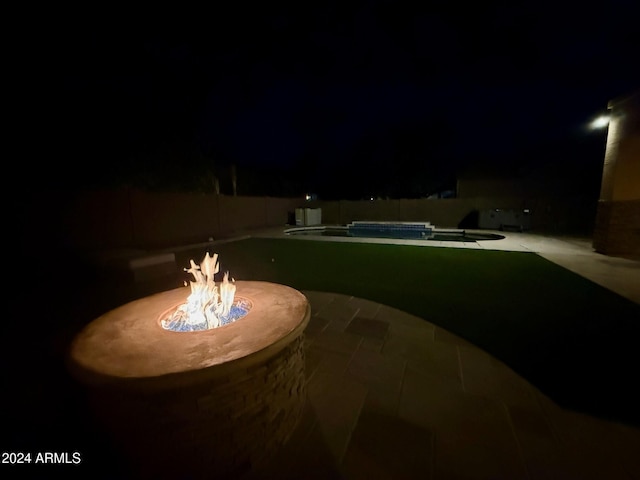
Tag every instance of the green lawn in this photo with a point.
(568, 336)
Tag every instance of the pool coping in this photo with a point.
(497, 244)
(434, 231)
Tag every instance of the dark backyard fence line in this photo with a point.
(111, 220)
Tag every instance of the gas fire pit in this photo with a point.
(189, 403)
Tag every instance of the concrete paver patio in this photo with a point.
(391, 395)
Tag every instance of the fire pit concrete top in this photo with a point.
(128, 343)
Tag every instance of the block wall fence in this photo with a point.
(109, 220)
(547, 214)
(130, 219)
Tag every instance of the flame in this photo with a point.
(205, 305)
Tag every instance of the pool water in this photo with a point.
(443, 236)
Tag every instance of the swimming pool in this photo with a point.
(438, 234)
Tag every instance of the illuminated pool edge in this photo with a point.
(438, 235)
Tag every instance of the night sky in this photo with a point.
(342, 99)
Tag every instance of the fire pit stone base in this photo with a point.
(218, 421)
(225, 428)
